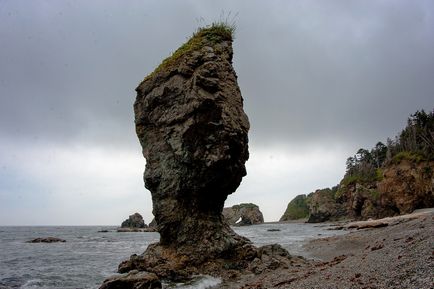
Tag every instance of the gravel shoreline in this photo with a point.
(398, 255)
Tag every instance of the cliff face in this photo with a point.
(402, 188)
(243, 215)
(323, 206)
(407, 186)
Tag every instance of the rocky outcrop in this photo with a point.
(47, 240)
(134, 221)
(297, 209)
(243, 215)
(323, 207)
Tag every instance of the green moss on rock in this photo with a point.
(211, 34)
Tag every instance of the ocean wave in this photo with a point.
(33, 283)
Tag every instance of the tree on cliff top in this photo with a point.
(415, 143)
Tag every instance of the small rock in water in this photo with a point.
(273, 230)
(46, 240)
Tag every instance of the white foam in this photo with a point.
(200, 282)
(32, 283)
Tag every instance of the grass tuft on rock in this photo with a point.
(214, 33)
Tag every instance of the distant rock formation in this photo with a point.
(401, 188)
(243, 215)
(297, 209)
(47, 240)
(134, 221)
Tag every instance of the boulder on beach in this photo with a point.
(243, 215)
(134, 221)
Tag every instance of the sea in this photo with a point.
(89, 256)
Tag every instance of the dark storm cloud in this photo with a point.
(309, 70)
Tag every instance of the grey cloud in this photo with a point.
(347, 71)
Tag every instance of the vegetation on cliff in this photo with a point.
(415, 143)
(211, 34)
(297, 209)
(395, 178)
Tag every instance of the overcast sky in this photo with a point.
(320, 79)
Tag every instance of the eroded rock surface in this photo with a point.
(243, 215)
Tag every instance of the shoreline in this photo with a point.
(397, 255)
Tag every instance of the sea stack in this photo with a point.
(191, 125)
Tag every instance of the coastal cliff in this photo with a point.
(388, 180)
